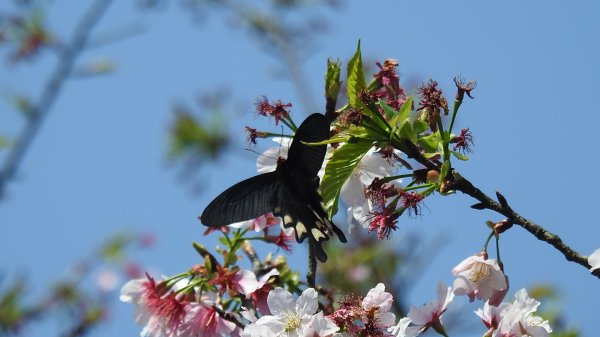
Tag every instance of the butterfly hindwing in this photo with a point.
(245, 200)
(299, 206)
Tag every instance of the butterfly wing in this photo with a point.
(307, 158)
(299, 205)
(245, 200)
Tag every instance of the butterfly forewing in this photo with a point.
(245, 200)
(307, 158)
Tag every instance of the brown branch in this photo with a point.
(465, 186)
(38, 112)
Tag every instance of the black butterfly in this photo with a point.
(290, 192)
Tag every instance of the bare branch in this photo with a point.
(465, 186)
(40, 110)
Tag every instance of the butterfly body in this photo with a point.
(290, 192)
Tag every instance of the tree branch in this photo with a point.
(38, 112)
(465, 186)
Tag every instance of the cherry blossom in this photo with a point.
(477, 276)
(491, 315)
(429, 315)
(290, 318)
(201, 320)
(379, 302)
(517, 319)
(161, 314)
(371, 166)
(260, 295)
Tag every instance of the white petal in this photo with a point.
(353, 191)
(372, 166)
(594, 260)
(386, 319)
(307, 303)
(131, 291)
(378, 297)
(321, 325)
(279, 301)
(254, 330)
(399, 330)
(267, 162)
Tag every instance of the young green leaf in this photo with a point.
(332, 79)
(339, 168)
(356, 78)
(460, 155)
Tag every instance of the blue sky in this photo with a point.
(99, 165)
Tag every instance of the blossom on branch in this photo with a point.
(289, 317)
(515, 319)
(479, 277)
(430, 314)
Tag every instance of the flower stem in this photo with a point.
(457, 104)
(487, 242)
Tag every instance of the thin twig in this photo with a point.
(466, 187)
(229, 317)
(38, 112)
(311, 276)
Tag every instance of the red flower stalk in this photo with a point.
(411, 201)
(252, 134)
(378, 193)
(464, 141)
(389, 82)
(225, 280)
(277, 109)
(384, 222)
(432, 102)
(464, 88)
(282, 241)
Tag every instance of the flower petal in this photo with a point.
(307, 303)
(280, 301)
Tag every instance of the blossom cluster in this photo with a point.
(199, 303)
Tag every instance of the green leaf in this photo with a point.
(388, 110)
(403, 115)
(332, 79)
(356, 78)
(444, 171)
(431, 142)
(339, 168)
(460, 155)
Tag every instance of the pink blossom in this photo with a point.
(516, 319)
(205, 321)
(260, 295)
(479, 277)
(160, 313)
(379, 302)
(429, 315)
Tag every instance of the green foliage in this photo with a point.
(356, 79)
(339, 168)
(332, 79)
(195, 139)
